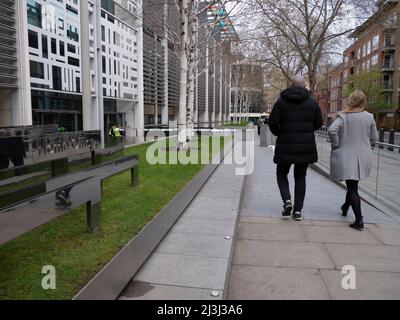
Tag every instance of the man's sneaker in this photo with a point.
(297, 216)
(287, 208)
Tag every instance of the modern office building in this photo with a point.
(162, 67)
(87, 64)
(74, 63)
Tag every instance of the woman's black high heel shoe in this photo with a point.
(345, 209)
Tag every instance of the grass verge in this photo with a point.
(78, 255)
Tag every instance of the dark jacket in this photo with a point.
(294, 118)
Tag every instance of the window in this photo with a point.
(53, 46)
(57, 83)
(78, 85)
(37, 69)
(61, 24)
(34, 13)
(62, 49)
(72, 33)
(33, 39)
(103, 63)
(45, 49)
(369, 47)
(71, 48)
(73, 61)
(108, 5)
(375, 59)
(375, 42)
(103, 33)
(389, 39)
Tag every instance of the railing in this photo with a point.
(383, 184)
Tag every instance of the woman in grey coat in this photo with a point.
(352, 134)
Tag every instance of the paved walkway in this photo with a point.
(278, 258)
(273, 258)
(193, 259)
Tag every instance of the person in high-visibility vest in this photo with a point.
(111, 131)
(117, 132)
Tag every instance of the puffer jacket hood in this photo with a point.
(295, 94)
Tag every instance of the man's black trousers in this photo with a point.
(300, 171)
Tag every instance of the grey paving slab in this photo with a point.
(205, 226)
(220, 193)
(187, 271)
(329, 234)
(273, 231)
(195, 245)
(211, 203)
(138, 290)
(269, 283)
(261, 220)
(282, 254)
(366, 257)
(205, 211)
(369, 285)
(388, 235)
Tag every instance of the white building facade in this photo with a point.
(79, 63)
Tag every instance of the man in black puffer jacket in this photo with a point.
(294, 118)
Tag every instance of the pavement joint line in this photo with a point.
(201, 233)
(304, 233)
(325, 284)
(207, 218)
(311, 268)
(330, 256)
(321, 242)
(288, 267)
(177, 285)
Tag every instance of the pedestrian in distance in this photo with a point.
(352, 136)
(294, 118)
(258, 125)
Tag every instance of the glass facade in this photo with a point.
(57, 108)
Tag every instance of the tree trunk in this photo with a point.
(183, 74)
(192, 69)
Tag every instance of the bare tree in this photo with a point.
(309, 26)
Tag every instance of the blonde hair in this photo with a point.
(357, 101)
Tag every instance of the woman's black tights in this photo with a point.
(353, 198)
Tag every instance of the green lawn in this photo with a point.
(78, 255)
